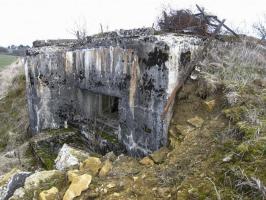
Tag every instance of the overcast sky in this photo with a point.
(23, 21)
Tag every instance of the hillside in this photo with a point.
(216, 147)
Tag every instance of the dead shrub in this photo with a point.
(182, 20)
(247, 186)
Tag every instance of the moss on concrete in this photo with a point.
(108, 137)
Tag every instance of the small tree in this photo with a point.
(260, 28)
(79, 29)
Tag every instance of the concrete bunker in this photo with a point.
(113, 87)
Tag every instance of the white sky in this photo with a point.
(23, 21)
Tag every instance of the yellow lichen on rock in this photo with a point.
(106, 168)
(51, 194)
(92, 165)
(78, 185)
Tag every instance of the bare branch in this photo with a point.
(79, 30)
(260, 28)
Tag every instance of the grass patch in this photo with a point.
(6, 60)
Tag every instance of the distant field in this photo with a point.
(6, 60)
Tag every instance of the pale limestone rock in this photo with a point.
(38, 178)
(110, 185)
(51, 194)
(228, 158)
(72, 174)
(109, 156)
(92, 165)
(135, 178)
(69, 158)
(18, 194)
(196, 122)
(160, 155)
(106, 168)
(209, 105)
(146, 161)
(78, 185)
(115, 194)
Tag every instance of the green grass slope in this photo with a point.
(6, 60)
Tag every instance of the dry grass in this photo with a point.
(13, 115)
(235, 64)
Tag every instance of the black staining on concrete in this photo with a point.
(31, 79)
(157, 57)
(81, 75)
(185, 58)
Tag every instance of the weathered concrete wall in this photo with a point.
(140, 69)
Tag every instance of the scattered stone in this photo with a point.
(228, 158)
(11, 181)
(46, 146)
(146, 161)
(135, 178)
(51, 194)
(209, 105)
(110, 185)
(160, 155)
(194, 76)
(72, 174)
(69, 158)
(78, 185)
(10, 154)
(92, 165)
(106, 168)
(110, 156)
(196, 122)
(115, 194)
